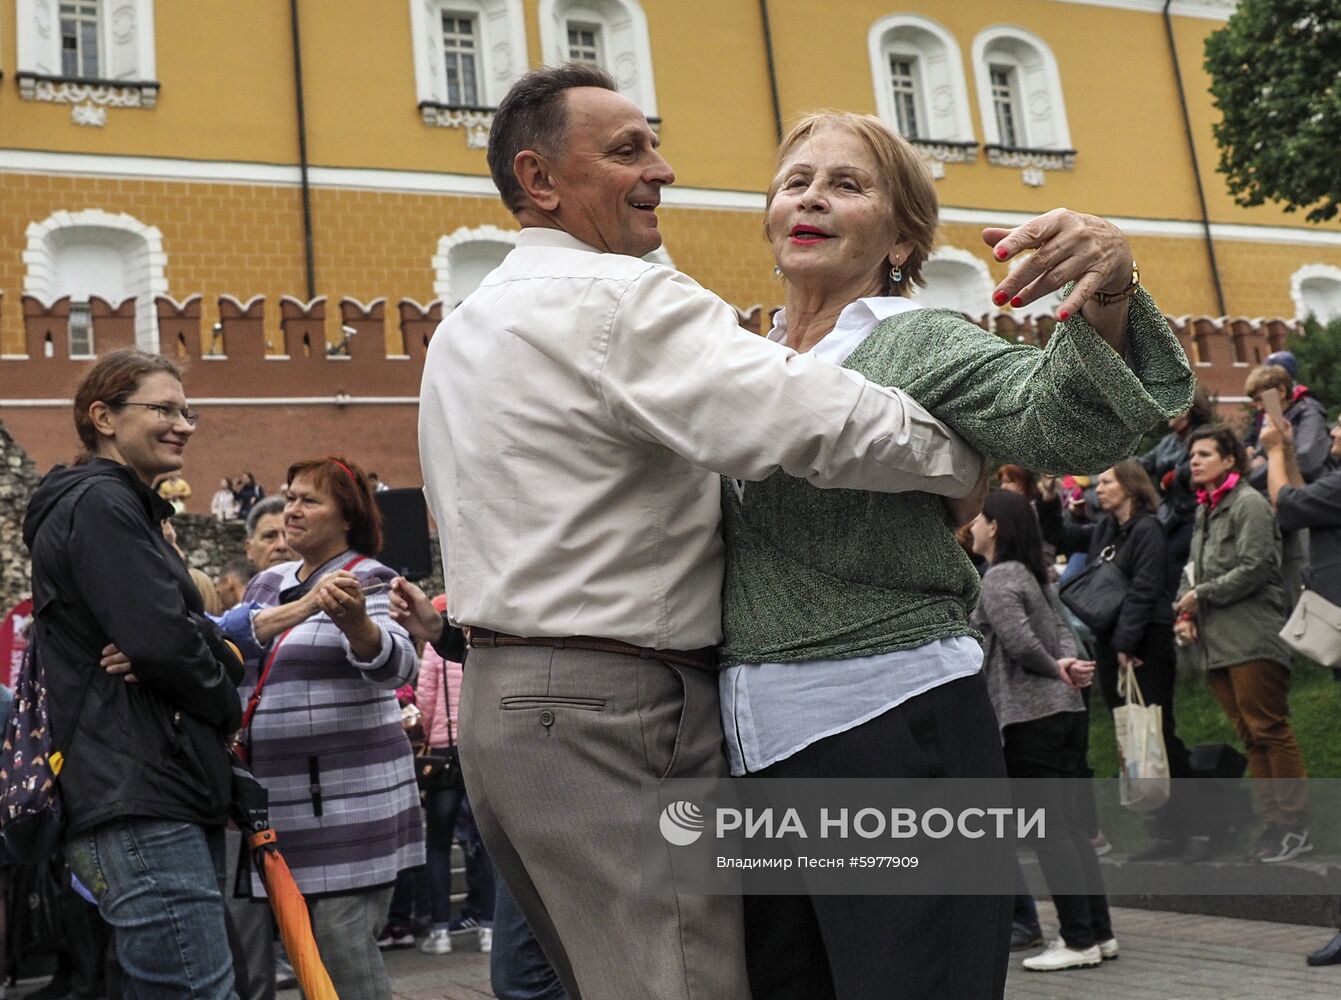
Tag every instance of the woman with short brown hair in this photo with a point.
(1142, 637)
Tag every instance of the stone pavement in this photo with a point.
(1165, 956)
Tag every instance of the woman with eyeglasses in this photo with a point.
(146, 779)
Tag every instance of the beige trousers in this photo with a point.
(556, 746)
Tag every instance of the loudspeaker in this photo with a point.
(406, 547)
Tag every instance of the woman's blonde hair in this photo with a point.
(906, 179)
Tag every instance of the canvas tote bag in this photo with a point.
(1143, 782)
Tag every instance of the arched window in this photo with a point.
(919, 79)
(92, 252)
(467, 53)
(609, 33)
(1019, 91)
(956, 279)
(1316, 290)
(1020, 100)
(465, 257)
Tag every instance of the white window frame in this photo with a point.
(597, 30)
(626, 45)
(466, 49)
(942, 94)
(1310, 272)
(500, 47)
(149, 277)
(442, 260)
(1042, 123)
(89, 11)
(126, 40)
(981, 276)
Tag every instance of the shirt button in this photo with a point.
(547, 718)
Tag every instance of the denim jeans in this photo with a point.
(442, 809)
(157, 884)
(518, 968)
(345, 928)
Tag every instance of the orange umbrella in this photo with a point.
(295, 927)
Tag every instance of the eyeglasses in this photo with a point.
(168, 412)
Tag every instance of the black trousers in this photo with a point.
(1055, 747)
(1157, 677)
(878, 947)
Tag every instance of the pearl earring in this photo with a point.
(895, 274)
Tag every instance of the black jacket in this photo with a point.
(1317, 507)
(1140, 553)
(102, 572)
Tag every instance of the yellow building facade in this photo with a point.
(169, 147)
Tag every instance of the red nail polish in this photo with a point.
(1016, 302)
(1001, 253)
(1063, 315)
(999, 298)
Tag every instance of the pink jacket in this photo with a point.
(429, 697)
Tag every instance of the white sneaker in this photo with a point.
(1058, 957)
(438, 942)
(486, 940)
(1108, 950)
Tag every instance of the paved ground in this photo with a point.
(1165, 956)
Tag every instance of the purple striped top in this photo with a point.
(327, 744)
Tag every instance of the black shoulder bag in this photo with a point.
(1096, 595)
(439, 770)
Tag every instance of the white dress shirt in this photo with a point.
(772, 710)
(575, 412)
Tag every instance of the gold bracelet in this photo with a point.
(1108, 298)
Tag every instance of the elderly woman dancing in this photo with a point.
(325, 738)
(846, 613)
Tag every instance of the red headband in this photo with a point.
(352, 478)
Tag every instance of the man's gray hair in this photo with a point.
(532, 115)
(270, 505)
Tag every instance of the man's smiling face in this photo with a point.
(608, 175)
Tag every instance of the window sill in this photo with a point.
(101, 93)
(1041, 159)
(475, 120)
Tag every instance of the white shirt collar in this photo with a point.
(854, 325)
(539, 236)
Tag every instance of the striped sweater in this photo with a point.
(327, 744)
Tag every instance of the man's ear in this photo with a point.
(533, 174)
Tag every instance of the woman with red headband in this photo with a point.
(325, 736)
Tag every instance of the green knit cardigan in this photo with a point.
(817, 574)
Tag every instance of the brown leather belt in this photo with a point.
(701, 659)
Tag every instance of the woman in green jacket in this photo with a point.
(1231, 608)
(848, 651)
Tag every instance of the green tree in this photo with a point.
(1318, 350)
(1276, 78)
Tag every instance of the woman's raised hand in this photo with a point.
(1067, 246)
(340, 596)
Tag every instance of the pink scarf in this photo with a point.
(1218, 494)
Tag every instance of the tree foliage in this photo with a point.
(1276, 78)
(1318, 351)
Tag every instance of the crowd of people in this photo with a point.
(679, 551)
